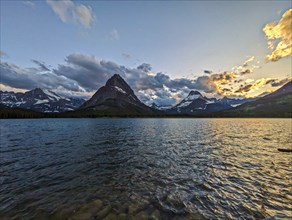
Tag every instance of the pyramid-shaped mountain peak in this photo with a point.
(115, 79)
(194, 93)
(116, 98)
(119, 84)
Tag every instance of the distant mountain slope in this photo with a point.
(195, 103)
(276, 104)
(286, 89)
(116, 98)
(40, 100)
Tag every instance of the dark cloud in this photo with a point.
(226, 90)
(238, 80)
(42, 65)
(84, 73)
(224, 77)
(208, 71)
(30, 78)
(145, 67)
(247, 71)
(206, 84)
(276, 82)
(244, 89)
(87, 73)
(126, 56)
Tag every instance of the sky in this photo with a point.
(163, 49)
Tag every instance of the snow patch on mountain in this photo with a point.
(41, 100)
(119, 89)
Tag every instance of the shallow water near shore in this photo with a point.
(145, 168)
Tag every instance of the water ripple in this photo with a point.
(221, 168)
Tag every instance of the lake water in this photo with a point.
(156, 168)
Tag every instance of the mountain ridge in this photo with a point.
(39, 100)
(116, 98)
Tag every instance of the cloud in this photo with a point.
(82, 75)
(83, 14)
(279, 34)
(252, 87)
(145, 67)
(250, 59)
(85, 74)
(247, 67)
(69, 12)
(29, 4)
(126, 55)
(114, 35)
(278, 82)
(3, 54)
(42, 65)
(88, 71)
(208, 71)
(30, 78)
(233, 76)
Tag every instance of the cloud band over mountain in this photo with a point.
(84, 74)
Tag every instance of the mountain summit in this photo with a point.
(116, 98)
(195, 103)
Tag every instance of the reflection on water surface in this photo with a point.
(163, 168)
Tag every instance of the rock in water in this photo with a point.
(88, 210)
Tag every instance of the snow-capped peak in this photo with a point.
(193, 95)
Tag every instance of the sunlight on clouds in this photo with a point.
(246, 67)
(227, 82)
(250, 59)
(151, 74)
(249, 80)
(11, 89)
(279, 32)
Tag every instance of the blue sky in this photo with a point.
(181, 39)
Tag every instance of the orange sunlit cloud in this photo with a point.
(227, 83)
(280, 31)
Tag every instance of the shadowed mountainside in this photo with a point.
(276, 104)
(116, 98)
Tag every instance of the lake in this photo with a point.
(145, 168)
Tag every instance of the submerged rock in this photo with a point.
(195, 216)
(155, 215)
(41, 214)
(122, 216)
(140, 216)
(104, 212)
(111, 216)
(63, 213)
(88, 211)
(136, 207)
